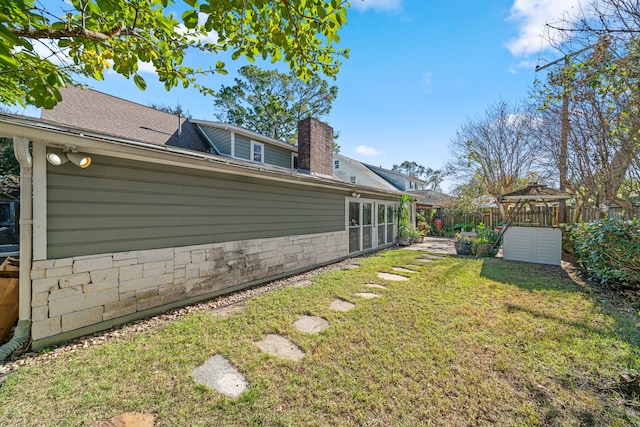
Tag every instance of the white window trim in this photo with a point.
(254, 144)
(233, 144)
(293, 156)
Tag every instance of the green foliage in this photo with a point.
(483, 243)
(177, 109)
(609, 249)
(271, 103)
(86, 38)
(9, 165)
(432, 177)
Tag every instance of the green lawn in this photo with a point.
(464, 342)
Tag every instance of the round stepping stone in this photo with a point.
(341, 305)
(311, 324)
(373, 285)
(402, 270)
(129, 419)
(393, 277)
(219, 374)
(367, 295)
(302, 283)
(228, 310)
(279, 346)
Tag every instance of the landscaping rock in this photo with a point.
(373, 285)
(218, 373)
(393, 277)
(311, 324)
(342, 305)
(279, 346)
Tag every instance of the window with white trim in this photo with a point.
(294, 161)
(336, 164)
(257, 152)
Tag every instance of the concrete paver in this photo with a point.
(342, 305)
(218, 374)
(311, 324)
(279, 346)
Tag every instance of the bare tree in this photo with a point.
(498, 149)
(599, 88)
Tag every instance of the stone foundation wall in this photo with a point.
(71, 293)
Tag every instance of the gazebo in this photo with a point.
(534, 242)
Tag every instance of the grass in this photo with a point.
(463, 342)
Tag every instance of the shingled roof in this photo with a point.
(106, 114)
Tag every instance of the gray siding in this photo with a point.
(221, 138)
(243, 145)
(277, 156)
(120, 205)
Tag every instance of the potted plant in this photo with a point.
(403, 215)
(417, 236)
(484, 242)
(462, 244)
(404, 236)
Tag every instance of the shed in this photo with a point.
(536, 243)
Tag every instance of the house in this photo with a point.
(399, 180)
(355, 172)
(127, 212)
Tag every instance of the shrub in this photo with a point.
(609, 249)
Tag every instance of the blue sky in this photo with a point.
(418, 69)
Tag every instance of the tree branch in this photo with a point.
(52, 33)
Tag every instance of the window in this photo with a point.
(257, 152)
(336, 164)
(294, 161)
(352, 179)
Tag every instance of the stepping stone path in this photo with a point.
(342, 305)
(402, 270)
(367, 295)
(373, 285)
(228, 310)
(302, 283)
(425, 260)
(129, 419)
(311, 324)
(277, 345)
(393, 277)
(218, 374)
(351, 267)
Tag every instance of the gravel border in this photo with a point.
(23, 356)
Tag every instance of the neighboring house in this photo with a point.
(355, 172)
(156, 222)
(399, 180)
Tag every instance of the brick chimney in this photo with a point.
(315, 147)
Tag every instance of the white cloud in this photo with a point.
(146, 67)
(368, 151)
(385, 5)
(531, 17)
(211, 37)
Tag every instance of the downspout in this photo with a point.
(23, 329)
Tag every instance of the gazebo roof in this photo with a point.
(536, 192)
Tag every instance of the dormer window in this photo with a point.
(257, 152)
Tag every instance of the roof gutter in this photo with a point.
(23, 330)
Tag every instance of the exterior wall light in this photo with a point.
(57, 158)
